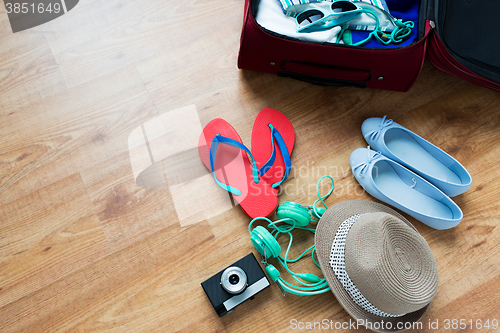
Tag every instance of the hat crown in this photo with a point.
(390, 263)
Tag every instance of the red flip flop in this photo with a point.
(273, 134)
(234, 169)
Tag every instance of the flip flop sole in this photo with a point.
(233, 167)
(262, 143)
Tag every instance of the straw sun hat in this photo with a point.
(376, 263)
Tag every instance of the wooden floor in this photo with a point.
(88, 245)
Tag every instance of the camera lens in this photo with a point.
(234, 280)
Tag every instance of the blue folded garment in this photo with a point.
(406, 10)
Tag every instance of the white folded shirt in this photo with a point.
(270, 16)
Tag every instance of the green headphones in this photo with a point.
(299, 213)
(292, 216)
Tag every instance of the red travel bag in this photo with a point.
(458, 36)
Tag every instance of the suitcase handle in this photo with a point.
(325, 75)
(322, 81)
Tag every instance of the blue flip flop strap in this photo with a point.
(275, 135)
(213, 151)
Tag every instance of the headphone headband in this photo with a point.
(292, 212)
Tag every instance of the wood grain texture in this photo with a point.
(47, 235)
(477, 308)
(28, 70)
(210, 323)
(69, 132)
(90, 42)
(85, 247)
(142, 288)
(127, 212)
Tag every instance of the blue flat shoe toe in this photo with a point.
(399, 187)
(407, 148)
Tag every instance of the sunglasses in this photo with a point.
(325, 15)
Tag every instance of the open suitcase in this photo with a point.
(459, 37)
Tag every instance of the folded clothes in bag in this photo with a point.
(364, 22)
(270, 16)
(293, 7)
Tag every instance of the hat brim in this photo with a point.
(325, 234)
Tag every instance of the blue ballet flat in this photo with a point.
(407, 148)
(399, 187)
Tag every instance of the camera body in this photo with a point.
(235, 284)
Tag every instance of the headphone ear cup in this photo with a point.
(294, 211)
(261, 238)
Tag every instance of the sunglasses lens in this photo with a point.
(309, 17)
(343, 6)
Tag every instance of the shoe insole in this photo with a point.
(411, 152)
(391, 184)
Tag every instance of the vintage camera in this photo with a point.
(235, 284)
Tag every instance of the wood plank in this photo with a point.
(128, 212)
(143, 288)
(476, 309)
(28, 70)
(69, 132)
(47, 235)
(105, 36)
(210, 323)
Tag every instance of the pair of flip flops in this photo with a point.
(252, 177)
